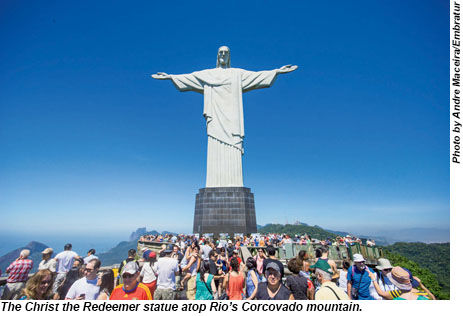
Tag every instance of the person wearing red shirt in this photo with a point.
(131, 289)
(18, 272)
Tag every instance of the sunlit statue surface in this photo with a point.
(222, 88)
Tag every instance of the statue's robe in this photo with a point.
(223, 111)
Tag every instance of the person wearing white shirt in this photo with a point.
(86, 288)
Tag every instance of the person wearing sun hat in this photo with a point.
(400, 277)
(384, 267)
(328, 289)
(358, 280)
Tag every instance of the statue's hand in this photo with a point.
(287, 68)
(161, 76)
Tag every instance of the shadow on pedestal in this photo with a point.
(225, 210)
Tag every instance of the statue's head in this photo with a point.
(223, 57)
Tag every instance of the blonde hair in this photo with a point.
(33, 284)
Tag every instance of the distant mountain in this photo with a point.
(301, 229)
(137, 233)
(165, 232)
(34, 247)
(117, 254)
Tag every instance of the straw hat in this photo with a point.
(400, 278)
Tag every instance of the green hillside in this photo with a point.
(430, 262)
(313, 231)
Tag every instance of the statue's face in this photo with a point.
(223, 55)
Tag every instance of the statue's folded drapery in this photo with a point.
(223, 110)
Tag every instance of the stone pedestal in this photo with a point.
(225, 210)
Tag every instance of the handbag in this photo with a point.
(224, 295)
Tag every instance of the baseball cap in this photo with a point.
(272, 265)
(130, 268)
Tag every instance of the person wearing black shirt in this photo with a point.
(271, 258)
(273, 289)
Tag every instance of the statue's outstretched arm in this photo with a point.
(161, 76)
(286, 69)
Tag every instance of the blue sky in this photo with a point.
(356, 138)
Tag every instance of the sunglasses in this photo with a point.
(45, 282)
(387, 270)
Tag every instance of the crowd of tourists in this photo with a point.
(193, 268)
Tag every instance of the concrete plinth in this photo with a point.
(225, 210)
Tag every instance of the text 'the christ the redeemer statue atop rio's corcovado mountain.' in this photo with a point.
(222, 88)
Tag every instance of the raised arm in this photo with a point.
(286, 69)
(161, 76)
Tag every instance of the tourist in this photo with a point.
(328, 289)
(131, 289)
(205, 249)
(273, 288)
(39, 286)
(401, 279)
(324, 256)
(106, 284)
(18, 272)
(342, 281)
(235, 254)
(205, 287)
(86, 288)
(303, 260)
(216, 269)
(272, 258)
(130, 257)
(147, 274)
(65, 260)
(260, 257)
(297, 283)
(90, 256)
(69, 278)
(191, 269)
(47, 262)
(358, 280)
(252, 278)
(234, 281)
(166, 269)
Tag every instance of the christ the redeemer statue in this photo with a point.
(222, 88)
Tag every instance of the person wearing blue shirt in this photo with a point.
(358, 281)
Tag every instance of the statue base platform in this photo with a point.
(225, 210)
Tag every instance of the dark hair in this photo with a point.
(212, 253)
(80, 261)
(91, 251)
(301, 254)
(345, 264)
(203, 269)
(294, 266)
(318, 252)
(325, 249)
(107, 281)
(251, 263)
(132, 253)
(71, 276)
(97, 264)
(235, 265)
(67, 247)
(271, 250)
